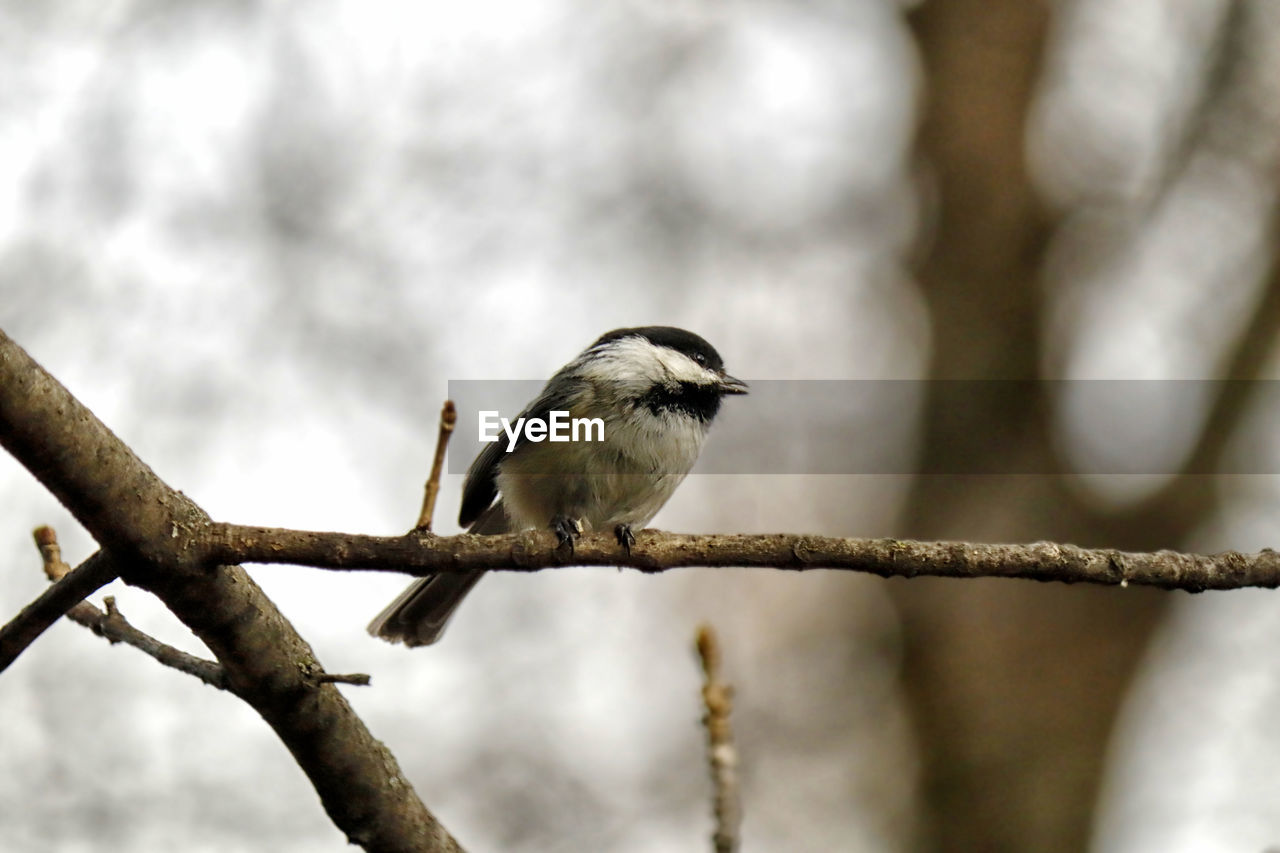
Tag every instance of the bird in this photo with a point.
(656, 391)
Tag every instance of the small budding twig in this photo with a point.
(112, 626)
(722, 754)
(51, 553)
(448, 417)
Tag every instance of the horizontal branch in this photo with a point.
(656, 551)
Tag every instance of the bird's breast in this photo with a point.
(623, 479)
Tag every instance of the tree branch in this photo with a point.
(58, 599)
(121, 501)
(160, 540)
(112, 625)
(657, 551)
(157, 538)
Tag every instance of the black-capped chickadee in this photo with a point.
(655, 388)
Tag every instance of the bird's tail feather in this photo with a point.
(419, 615)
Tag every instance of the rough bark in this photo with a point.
(153, 535)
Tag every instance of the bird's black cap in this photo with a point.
(679, 340)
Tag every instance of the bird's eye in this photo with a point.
(700, 358)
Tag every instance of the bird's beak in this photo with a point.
(729, 385)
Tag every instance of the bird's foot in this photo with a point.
(625, 537)
(567, 531)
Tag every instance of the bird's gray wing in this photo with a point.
(481, 485)
(419, 614)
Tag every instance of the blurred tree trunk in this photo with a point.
(1012, 686)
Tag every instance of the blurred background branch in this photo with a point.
(1013, 749)
(722, 752)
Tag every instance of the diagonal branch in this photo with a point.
(112, 625)
(121, 501)
(58, 599)
(156, 538)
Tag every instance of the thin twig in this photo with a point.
(722, 754)
(448, 417)
(358, 678)
(117, 629)
(112, 625)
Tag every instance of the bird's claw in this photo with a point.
(567, 531)
(625, 537)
